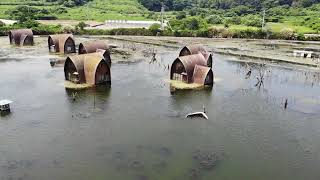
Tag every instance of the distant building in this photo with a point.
(7, 22)
(96, 46)
(21, 37)
(91, 69)
(61, 43)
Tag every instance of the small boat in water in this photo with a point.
(198, 114)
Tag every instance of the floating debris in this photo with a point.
(198, 114)
(286, 104)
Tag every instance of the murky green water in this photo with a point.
(136, 129)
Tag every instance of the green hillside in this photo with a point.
(99, 10)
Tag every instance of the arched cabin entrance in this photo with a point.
(178, 71)
(73, 70)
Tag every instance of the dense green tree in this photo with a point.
(241, 6)
(215, 19)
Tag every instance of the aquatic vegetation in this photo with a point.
(71, 85)
(181, 85)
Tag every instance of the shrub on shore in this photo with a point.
(211, 32)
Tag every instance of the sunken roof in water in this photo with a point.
(189, 63)
(91, 66)
(59, 41)
(92, 46)
(195, 49)
(200, 74)
(19, 36)
(86, 66)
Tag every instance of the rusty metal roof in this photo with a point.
(193, 49)
(92, 46)
(106, 55)
(200, 73)
(189, 63)
(59, 41)
(78, 62)
(18, 36)
(90, 67)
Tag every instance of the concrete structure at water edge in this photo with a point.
(21, 37)
(192, 69)
(61, 43)
(195, 49)
(96, 46)
(89, 69)
(7, 22)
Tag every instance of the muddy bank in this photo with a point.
(267, 50)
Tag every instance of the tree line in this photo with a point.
(70, 3)
(254, 5)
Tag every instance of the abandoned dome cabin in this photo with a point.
(89, 69)
(21, 37)
(195, 49)
(96, 46)
(61, 43)
(192, 69)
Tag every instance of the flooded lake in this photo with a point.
(135, 129)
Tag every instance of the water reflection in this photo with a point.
(96, 98)
(136, 129)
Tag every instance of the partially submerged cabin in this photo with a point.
(90, 68)
(191, 69)
(195, 49)
(21, 37)
(61, 43)
(96, 46)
